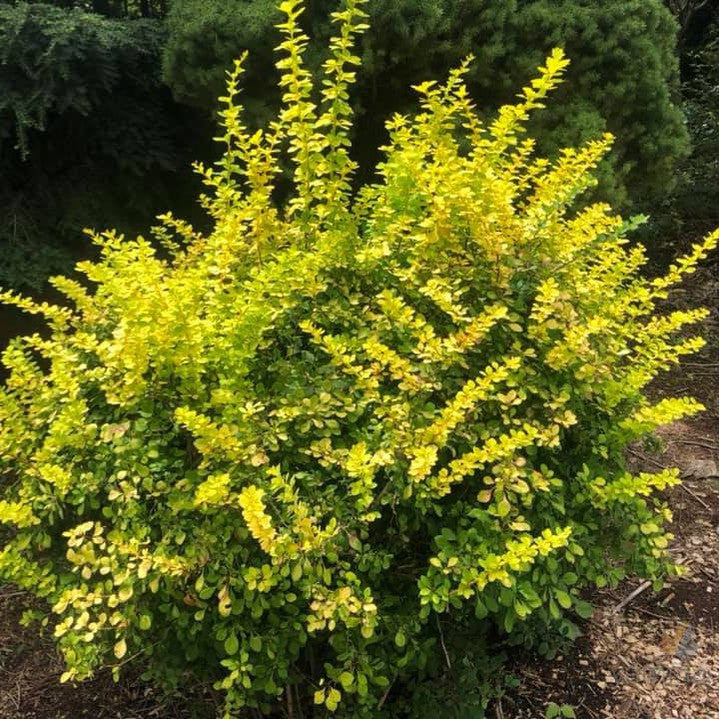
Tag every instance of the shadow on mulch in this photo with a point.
(30, 689)
(574, 677)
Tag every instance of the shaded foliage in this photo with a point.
(54, 62)
(692, 17)
(88, 133)
(110, 8)
(623, 79)
(697, 196)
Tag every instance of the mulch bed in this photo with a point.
(655, 658)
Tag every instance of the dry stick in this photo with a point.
(498, 711)
(697, 497)
(704, 439)
(653, 614)
(644, 458)
(441, 639)
(690, 443)
(298, 702)
(384, 697)
(642, 587)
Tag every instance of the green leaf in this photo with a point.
(333, 699)
(552, 711)
(563, 598)
(583, 609)
(399, 639)
(120, 649)
(231, 644)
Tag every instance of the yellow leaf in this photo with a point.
(120, 649)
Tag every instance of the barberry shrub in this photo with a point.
(297, 455)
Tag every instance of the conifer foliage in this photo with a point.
(624, 75)
(84, 121)
(296, 455)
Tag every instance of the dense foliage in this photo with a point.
(623, 79)
(109, 8)
(84, 121)
(55, 62)
(696, 201)
(311, 453)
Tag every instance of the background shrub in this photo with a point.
(89, 135)
(624, 78)
(696, 195)
(320, 451)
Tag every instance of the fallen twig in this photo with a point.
(642, 587)
(692, 443)
(644, 458)
(642, 610)
(444, 647)
(697, 497)
(659, 465)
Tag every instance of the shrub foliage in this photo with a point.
(294, 454)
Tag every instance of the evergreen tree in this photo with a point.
(88, 133)
(623, 74)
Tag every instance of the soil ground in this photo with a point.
(657, 657)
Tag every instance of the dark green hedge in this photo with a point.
(623, 77)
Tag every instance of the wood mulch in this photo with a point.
(30, 669)
(655, 658)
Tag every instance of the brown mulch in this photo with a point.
(30, 669)
(657, 657)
